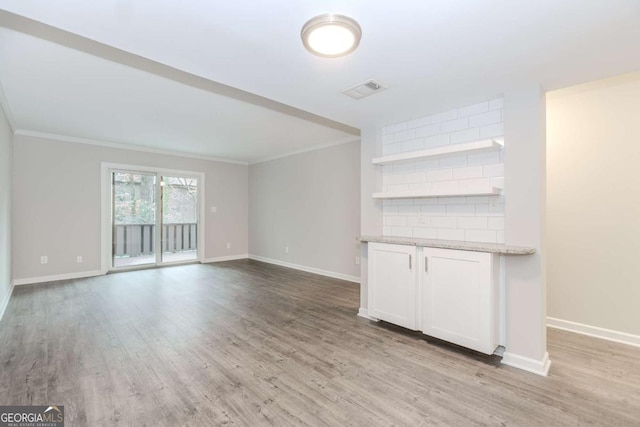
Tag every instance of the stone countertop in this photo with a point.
(493, 248)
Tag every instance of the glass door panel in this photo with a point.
(179, 219)
(134, 218)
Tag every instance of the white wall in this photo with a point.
(57, 208)
(6, 155)
(309, 203)
(594, 204)
(475, 219)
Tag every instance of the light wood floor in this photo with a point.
(245, 343)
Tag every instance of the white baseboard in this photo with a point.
(225, 258)
(538, 367)
(363, 312)
(5, 303)
(54, 278)
(340, 276)
(594, 331)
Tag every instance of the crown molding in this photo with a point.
(346, 140)
(121, 146)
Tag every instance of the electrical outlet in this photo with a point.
(286, 249)
(79, 259)
(214, 209)
(357, 260)
(44, 259)
(228, 245)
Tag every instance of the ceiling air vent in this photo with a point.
(364, 89)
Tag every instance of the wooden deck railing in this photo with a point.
(139, 239)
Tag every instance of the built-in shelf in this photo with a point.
(487, 144)
(479, 191)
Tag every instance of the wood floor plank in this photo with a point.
(246, 343)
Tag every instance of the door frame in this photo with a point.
(106, 235)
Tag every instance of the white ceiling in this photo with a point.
(432, 54)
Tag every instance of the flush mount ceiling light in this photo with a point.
(331, 35)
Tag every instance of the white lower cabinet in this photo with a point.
(459, 298)
(393, 284)
(447, 294)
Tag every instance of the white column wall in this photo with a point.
(525, 191)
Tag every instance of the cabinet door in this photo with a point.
(459, 298)
(393, 283)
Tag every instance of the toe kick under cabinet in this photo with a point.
(448, 294)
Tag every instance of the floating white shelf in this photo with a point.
(480, 191)
(487, 144)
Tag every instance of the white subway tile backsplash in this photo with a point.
(424, 165)
(492, 130)
(389, 210)
(485, 158)
(412, 145)
(386, 231)
(470, 110)
(427, 130)
(467, 172)
(466, 135)
(473, 222)
(444, 222)
(392, 179)
(450, 234)
(480, 236)
(416, 177)
(426, 202)
(391, 149)
(394, 128)
(418, 221)
(434, 210)
(461, 210)
(396, 187)
(496, 223)
(395, 220)
(409, 210)
(456, 161)
(402, 231)
(493, 170)
(485, 119)
(440, 175)
(436, 141)
(477, 218)
(402, 202)
(445, 116)
(474, 184)
(444, 185)
(425, 233)
(420, 186)
(402, 167)
(497, 103)
(454, 125)
(422, 121)
(404, 135)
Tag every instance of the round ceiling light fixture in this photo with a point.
(331, 35)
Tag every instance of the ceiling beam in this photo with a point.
(71, 40)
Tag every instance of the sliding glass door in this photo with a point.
(179, 219)
(154, 219)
